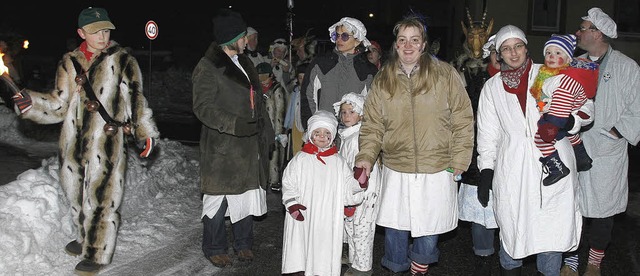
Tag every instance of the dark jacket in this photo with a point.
(230, 162)
(338, 74)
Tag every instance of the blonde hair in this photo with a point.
(428, 72)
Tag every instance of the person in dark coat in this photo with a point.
(234, 141)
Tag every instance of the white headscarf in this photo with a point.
(487, 47)
(356, 100)
(352, 25)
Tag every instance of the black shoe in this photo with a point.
(583, 161)
(483, 266)
(87, 267)
(511, 272)
(73, 248)
(557, 170)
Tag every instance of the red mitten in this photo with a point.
(360, 175)
(294, 211)
(583, 115)
(146, 146)
(349, 211)
(548, 132)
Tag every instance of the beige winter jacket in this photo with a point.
(425, 133)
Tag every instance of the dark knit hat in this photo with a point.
(228, 27)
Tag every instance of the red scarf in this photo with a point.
(83, 49)
(266, 86)
(313, 149)
(516, 82)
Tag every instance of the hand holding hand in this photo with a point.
(360, 175)
(364, 165)
(294, 211)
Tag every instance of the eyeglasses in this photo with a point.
(518, 47)
(344, 36)
(413, 41)
(583, 29)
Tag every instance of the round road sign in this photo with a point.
(151, 30)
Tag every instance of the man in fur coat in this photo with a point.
(234, 143)
(98, 97)
(275, 95)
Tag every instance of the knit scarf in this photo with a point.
(511, 78)
(313, 149)
(544, 73)
(516, 81)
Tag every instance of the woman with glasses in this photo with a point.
(345, 69)
(419, 119)
(533, 219)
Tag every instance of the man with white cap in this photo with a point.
(345, 69)
(252, 50)
(533, 219)
(604, 188)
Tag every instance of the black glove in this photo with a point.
(486, 179)
(245, 127)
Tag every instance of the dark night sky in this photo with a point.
(186, 25)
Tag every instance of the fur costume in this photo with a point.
(92, 164)
(276, 107)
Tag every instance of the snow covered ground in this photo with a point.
(160, 232)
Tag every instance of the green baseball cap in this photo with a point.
(93, 20)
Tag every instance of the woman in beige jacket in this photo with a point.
(419, 118)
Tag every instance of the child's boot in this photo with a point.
(557, 169)
(583, 161)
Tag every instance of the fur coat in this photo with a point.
(93, 164)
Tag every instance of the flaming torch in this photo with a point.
(5, 76)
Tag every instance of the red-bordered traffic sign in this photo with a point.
(151, 30)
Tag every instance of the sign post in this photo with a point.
(151, 30)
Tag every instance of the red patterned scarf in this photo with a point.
(515, 82)
(313, 149)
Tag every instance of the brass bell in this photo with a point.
(81, 79)
(110, 129)
(126, 128)
(92, 106)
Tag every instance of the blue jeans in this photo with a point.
(482, 239)
(548, 263)
(214, 235)
(398, 252)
